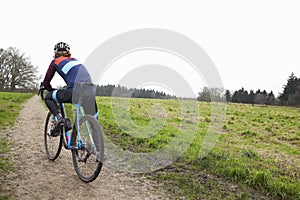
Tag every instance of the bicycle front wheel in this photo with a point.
(88, 148)
(52, 144)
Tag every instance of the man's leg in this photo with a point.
(51, 100)
(58, 96)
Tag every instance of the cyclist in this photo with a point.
(72, 71)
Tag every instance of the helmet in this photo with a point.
(61, 47)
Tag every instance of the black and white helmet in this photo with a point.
(61, 47)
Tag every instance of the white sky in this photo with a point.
(254, 44)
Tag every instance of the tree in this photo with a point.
(2, 69)
(204, 95)
(251, 97)
(265, 96)
(291, 92)
(240, 96)
(17, 72)
(211, 94)
(259, 98)
(228, 96)
(271, 99)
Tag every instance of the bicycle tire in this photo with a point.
(52, 144)
(87, 155)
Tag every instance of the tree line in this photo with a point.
(289, 97)
(238, 96)
(258, 97)
(121, 91)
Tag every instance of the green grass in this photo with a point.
(256, 156)
(10, 106)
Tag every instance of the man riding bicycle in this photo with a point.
(73, 72)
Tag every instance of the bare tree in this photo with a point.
(211, 94)
(16, 70)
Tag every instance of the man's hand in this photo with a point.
(42, 87)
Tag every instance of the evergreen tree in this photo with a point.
(259, 97)
(228, 96)
(271, 99)
(251, 97)
(240, 96)
(291, 92)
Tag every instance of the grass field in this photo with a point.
(10, 105)
(257, 155)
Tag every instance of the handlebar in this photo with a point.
(41, 92)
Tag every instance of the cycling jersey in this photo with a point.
(70, 69)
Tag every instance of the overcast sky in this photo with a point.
(253, 44)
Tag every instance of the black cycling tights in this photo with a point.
(65, 96)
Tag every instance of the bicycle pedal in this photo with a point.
(54, 134)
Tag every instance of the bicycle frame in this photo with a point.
(78, 112)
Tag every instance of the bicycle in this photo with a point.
(85, 140)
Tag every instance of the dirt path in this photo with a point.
(39, 178)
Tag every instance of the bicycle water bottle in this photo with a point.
(68, 138)
(68, 127)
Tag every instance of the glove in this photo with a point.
(42, 87)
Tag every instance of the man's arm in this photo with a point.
(48, 77)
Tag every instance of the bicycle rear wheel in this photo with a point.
(52, 144)
(89, 152)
